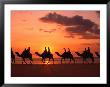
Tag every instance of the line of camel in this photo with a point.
(26, 54)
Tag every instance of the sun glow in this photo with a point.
(47, 62)
(50, 46)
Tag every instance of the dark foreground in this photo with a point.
(55, 70)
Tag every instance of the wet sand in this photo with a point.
(55, 70)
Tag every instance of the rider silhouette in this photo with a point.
(28, 50)
(88, 49)
(85, 52)
(65, 53)
(45, 51)
(64, 50)
(48, 50)
(69, 52)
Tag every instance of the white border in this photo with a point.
(57, 80)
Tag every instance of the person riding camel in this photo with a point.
(69, 51)
(65, 52)
(88, 51)
(45, 51)
(85, 52)
(49, 51)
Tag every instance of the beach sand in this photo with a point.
(55, 70)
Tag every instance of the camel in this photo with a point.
(86, 56)
(12, 57)
(45, 55)
(98, 55)
(66, 55)
(24, 56)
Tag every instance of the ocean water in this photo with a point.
(78, 60)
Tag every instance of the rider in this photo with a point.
(64, 50)
(69, 52)
(45, 51)
(27, 51)
(85, 52)
(88, 50)
(65, 53)
(48, 50)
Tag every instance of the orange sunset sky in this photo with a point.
(55, 29)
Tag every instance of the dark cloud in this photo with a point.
(89, 36)
(69, 36)
(90, 44)
(83, 29)
(48, 30)
(86, 44)
(75, 25)
(67, 21)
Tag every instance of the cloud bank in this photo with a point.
(75, 25)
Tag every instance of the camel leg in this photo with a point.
(92, 59)
(42, 59)
(73, 60)
(61, 60)
(14, 61)
(24, 61)
(83, 60)
(87, 61)
(30, 62)
(53, 60)
(64, 59)
(70, 60)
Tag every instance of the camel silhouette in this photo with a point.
(12, 57)
(97, 54)
(25, 55)
(66, 55)
(85, 56)
(45, 55)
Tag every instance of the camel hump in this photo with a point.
(56, 52)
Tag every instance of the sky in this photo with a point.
(56, 29)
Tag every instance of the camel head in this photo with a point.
(37, 54)
(58, 53)
(17, 54)
(97, 54)
(78, 53)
